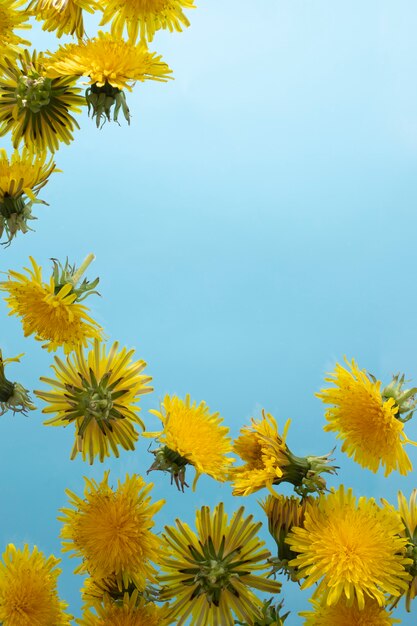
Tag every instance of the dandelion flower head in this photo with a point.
(36, 109)
(21, 178)
(352, 549)
(365, 420)
(144, 17)
(28, 589)
(51, 311)
(209, 574)
(191, 435)
(98, 392)
(110, 529)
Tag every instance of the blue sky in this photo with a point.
(255, 223)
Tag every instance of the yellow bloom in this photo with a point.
(191, 436)
(111, 66)
(12, 18)
(21, 178)
(268, 461)
(62, 16)
(144, 17)
(99, 393)
(367, 419)
(36, 109)
(210, 573)
(13, 396)
(343, 614)
(352, 549)
(284, 513)
(111, 530)
(51, 311)
(132, 611)
(28, 589)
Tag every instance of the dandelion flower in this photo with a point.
(28, 589)
(284, 513)
(65, 17)
(21, 178)
(13, 396)
(111, 530)
(133, 610)
(52, 311)
(352, 549)
(191, 436)
(369, 420)
(345, 614)
(209, 574)
(268, 461)
(37, 109)
(12, 18)
(111, 65)
(145, 17)
(98, 392)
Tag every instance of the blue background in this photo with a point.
(255, 223)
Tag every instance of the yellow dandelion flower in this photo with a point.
(21, 178)
(284, 513)
(28, 589)
(352, 549)
(209, 574)
(268, 461)
(144, 17)
(111, 66)
(343, 614)
(98, 392)
(65, 17)
(52, 311)
(12, 18)
(191, 436)
(132, 610)
(13, 396)
(111, 530)
(368, 419)
(37, 109)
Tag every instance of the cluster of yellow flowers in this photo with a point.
(360, 555)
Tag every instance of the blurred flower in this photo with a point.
(98, 392)
(369, 421)
(191, 436)
(52, 311)
(111, 65)
(28, 589)
(62, 16)
(345, 614)
(111, 530)
(210, 573)
(268, 461)
(21, 178)
(13, 396)
(408, 514)
(283, 514)
(132, 610)
(37, 109)
(144, 17)
(12, 18)
(352, 549)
